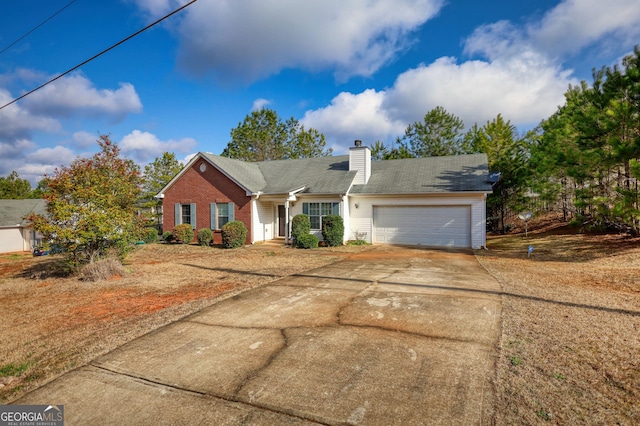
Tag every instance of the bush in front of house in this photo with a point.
(307, 241)
(167, 237)
(333, 230)
(149, 235)
(234, 234)
(183, 233)
(300, 225)
(102, 270)
(205, 236)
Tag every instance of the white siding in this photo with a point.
(263, 221)
(11, 240)
(360, 160)
(361, 219)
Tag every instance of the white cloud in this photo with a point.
(84, 139)
(524, 90)
(260, 103)
(57, 156)
(563, 31)
(354, 116)
(520, 73)
(16, 149)
(17, 122)
(32, 166)
(252, 39)
(145, 146)
(77, 94)
(574, 24)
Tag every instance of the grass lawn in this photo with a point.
(50, 325)
(570, 346)
(569, 351)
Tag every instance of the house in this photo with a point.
(435, 201)
(15, 234)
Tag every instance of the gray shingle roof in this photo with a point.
(331, 175)
(460, 173)
(12, 212)
(324, 175)
(245, 173)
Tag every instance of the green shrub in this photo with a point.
(183, 233)
(234, 234)
(307, 241)
(333, 230)
(167, 237)
(205, 236)
(300, 225)
(149, 235)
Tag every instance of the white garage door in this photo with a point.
(438, 226)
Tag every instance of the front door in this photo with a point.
(282, 221)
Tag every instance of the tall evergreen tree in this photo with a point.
(12, 187)
(440, 133)
(594, 141)
(264, 136)
(507, 153)
(157, 175)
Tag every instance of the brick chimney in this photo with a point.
(360, 160)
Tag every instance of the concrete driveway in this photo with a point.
(389, 336)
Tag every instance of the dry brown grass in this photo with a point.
(569, 352)
(103, 269)
(570, 347)
(50, 324)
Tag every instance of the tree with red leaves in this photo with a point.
(91, 206)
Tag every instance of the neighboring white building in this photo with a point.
(15, 234)
(434, 201)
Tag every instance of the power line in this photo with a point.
(99, 54)
(36, 27)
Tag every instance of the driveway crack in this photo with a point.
(362, 292)
(232, 398)
(253, 374)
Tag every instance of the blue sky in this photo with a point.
(352, 69)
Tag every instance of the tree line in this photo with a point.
(585, 159)
(586, 155)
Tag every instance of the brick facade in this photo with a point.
(202, 189)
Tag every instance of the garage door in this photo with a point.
(438, 226)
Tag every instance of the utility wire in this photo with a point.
(99, 54)
(36, 27)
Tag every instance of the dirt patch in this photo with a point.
(571, 326)
(50, 324)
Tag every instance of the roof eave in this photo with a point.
(400, 194)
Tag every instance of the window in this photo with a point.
(185, 213)
(317, 211)
(221, 213)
